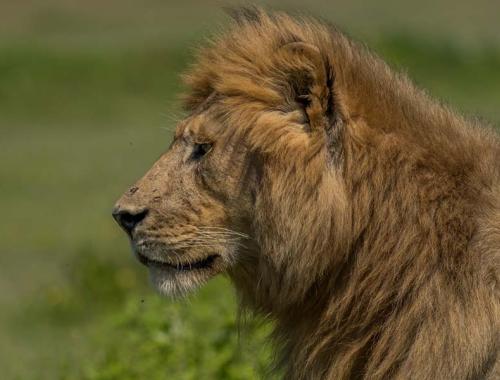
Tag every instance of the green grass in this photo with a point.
(77, 127)
(55, 85)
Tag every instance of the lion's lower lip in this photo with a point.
(201, 264)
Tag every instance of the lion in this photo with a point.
(358, 214)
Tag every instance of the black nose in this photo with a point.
(129, 219)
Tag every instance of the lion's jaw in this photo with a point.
(175, 273)
(182, 257)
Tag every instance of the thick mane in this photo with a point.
(391, 268)
(241, 62)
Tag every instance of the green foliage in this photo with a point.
(155, 339)
(140, 335)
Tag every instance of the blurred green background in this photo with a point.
(87, 99)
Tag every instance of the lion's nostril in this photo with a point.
(128, 219)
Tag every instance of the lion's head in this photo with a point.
(341, 200)
(250, 169)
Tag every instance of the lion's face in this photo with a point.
(247, 180)
(187, 217)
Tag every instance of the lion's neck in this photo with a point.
(406, 220)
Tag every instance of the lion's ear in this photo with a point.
(309, 79)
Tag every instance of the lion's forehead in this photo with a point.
(199, 127)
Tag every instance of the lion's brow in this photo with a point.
(195, 127)
(205, 105)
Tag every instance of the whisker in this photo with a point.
(189, 245)
(223, 230)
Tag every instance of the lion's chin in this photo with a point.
(177, 282)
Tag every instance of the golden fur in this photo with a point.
(357, 213)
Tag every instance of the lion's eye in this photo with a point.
(199, 150)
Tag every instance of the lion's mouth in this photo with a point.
(205, 263)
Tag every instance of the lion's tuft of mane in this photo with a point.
(387, 265)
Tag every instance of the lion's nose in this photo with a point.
(128, 219)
